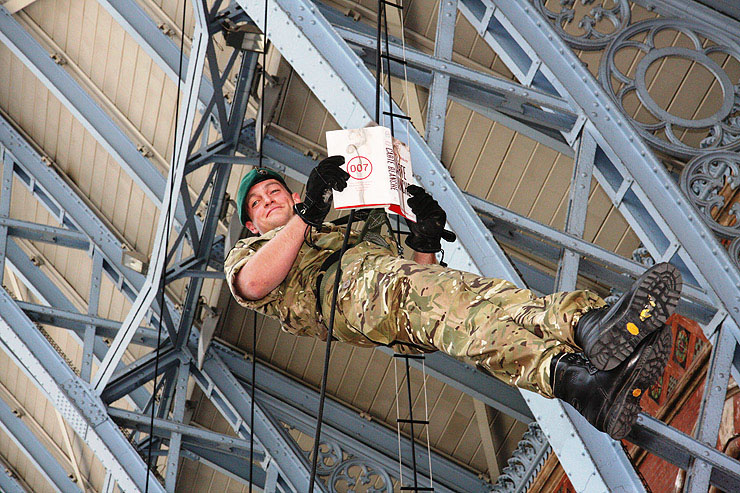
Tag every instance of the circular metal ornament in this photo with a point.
(707, 180)
(591, 38)
(734, 252)
(722, 129)
(330, 456)
(360, 475)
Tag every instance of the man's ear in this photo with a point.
(251, 227)
(296, 197)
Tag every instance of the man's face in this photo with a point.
(269, 205)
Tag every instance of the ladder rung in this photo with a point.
(396, 115)
(394, 58)
(392, 4)
(408, 356)
(419, 421)
(415, 488)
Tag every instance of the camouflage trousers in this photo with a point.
(490, 323)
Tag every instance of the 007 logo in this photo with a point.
(359, 167)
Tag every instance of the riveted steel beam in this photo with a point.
(85, 109)
(72, 397)
(34, 450)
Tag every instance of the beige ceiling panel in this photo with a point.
(369, 385)
(352, 376)
(418, 15)
(517, 157)
(300, 354)
(441, 407)
(553, 192)
(628, 244)
(612, 230)
(599, 206)
(456, 122)
(493, 151)
(455, 419)
(532, 179)
(313, 118)
(340, 364)
(293, 104)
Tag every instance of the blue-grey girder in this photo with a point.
(337, 77)
(170, 203)
(693, 11)
(58, 195)
(137, 373)
(679, 448)
(178, 414)
(713, 402)
(191, 434)
(72, 397)
(48, 292)
(296, 405)
(34, 450)
(9, 482)
(631, 175)
(231, 468)
(95, 120)
(45, 234)
(5, 201)
(437, 105)
(104, 327)
(233, 402)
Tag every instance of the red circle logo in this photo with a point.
(359, 167)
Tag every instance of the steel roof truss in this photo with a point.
(72, 397)
(34, 450)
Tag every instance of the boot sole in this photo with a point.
(661, 283)
(623, 413)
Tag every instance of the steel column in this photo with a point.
(437, 106)
(148, 292)
(712, 405)
(575, 220)
(5, 196)
(178, 413)
(92, 310)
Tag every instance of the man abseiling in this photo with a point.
(599, 358)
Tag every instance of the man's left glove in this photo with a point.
(429, 227)
(324, 178)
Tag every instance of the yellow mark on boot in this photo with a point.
(636, 392)
(632, 329)
(646, 312)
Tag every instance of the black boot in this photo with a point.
(608, 335)
(610, 400)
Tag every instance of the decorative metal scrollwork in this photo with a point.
(734, 252)
(642, 256)
(525, 461)
(360, 475)
(592, 36)
(330, 455)
(675, 135)
(345, 473)
(710, 182)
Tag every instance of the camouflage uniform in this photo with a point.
(386, 300)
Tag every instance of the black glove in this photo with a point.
(324, 178)
(429, 227)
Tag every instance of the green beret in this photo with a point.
(251, 179)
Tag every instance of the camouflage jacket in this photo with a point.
(293, 302)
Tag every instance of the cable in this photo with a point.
(168, 218)
(261, 124)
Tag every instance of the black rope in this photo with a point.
(168, 218)
(261, 124)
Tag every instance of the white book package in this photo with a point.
(379, 167)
